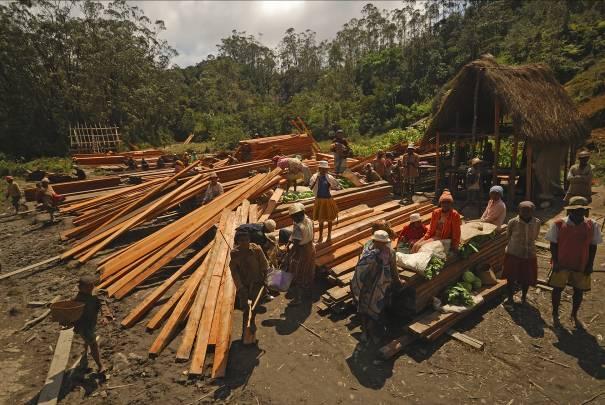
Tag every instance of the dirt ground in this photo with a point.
(524, 361)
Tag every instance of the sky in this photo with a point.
(194, 28)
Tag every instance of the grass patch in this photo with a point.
(197, 147)
(51, 165)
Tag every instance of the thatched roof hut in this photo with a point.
(538, 106)
(486, 99)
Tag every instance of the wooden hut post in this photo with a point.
(513, 171)
(497, 140)
(475, 108)
(529, 171)
(566, 167)
(437, 165)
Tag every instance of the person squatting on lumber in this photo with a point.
(411, 233)
(249, 269)
(178, 166)
(213, 190)
(370, 174)
(301, 252)
(144, 164)
(87, 324)
(131, 163)
(259, 235)
(580, 178)
(324, 207)
(445, 224)
(495, 212)
(340, 148)
(573, 246)
(297, 170)
(13, 192)
(161, 163)
(374, 282)
(380, 225)
(410, 163)
(520, 260)
(80, 174)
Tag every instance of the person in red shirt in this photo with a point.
(412, 232)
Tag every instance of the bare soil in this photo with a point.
(524, 361)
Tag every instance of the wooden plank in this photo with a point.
(31, 267)
(271, 204)
(54, 379)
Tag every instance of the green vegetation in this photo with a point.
(51, 165)
(68, 62)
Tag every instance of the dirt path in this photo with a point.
(524, 359)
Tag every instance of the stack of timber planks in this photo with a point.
(77, 186)
(100, 159)
(266, 148)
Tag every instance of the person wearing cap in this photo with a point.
(301, 252)
(324, 207)
(49, 198)
(249, 268)
(520, 260)
(411, 164)
(370, 174)
(412, 232)
(380, 225)
(573, 246)
(375, 280)
(296, 170)
(13, 192)
(179, 166)
(495, 212)
(213, 190)
(473, 183)
(580, 178)
(445, 224)
(260, 235)
(340, 148)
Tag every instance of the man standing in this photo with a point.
(249, 268)
(214, 189)
(13, 192)
(411, 164)
(341, 150)
(580, 178)
(301, 252)
(573, 245)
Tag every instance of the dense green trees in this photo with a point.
(106, 63)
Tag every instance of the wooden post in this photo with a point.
(513, 171)
(437, 168)
(497, 140)
(475, 108)
(529, 171)
(566, 168)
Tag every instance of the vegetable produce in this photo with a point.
(468, 276)
(296, 196)
(434, 267)
(467, 286)
(459, 295)
(467, 249)
(344, 183)
(477, 283)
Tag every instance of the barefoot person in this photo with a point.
(249, 268)
(87, 324)
(445, 224)
(580, 178)
(520, 261)
(340, 148)
(296, 171)
(301, 252)
(375, 280)
(13, 192)
(411, 163)
(324, 208)
(573, 246)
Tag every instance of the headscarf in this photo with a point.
(446, 196)
(497, 189)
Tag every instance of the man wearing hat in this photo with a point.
(520, 260)
(296, 170)
(375, 280)
(445, 224)
(411, 164)
(341, 150)
(249, 268)
(573, 246)
(13, 192)
(495, 212)
(259, 235)
(324, 207)
(473, 183)
(580, 178)
(301, 252)
(411, 232)
(214, 189)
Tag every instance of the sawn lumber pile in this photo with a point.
(77, 186)
(204, 301)
(266, 148)
(100, 159)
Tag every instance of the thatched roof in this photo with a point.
(540, 109)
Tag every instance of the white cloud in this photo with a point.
(194, 28)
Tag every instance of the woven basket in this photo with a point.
(66, 312)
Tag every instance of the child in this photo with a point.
(411, 233)
(520, 262)
(87, 324)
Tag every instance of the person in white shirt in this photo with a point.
(301, 252)
(214, 189)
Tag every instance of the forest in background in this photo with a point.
(83, 61)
